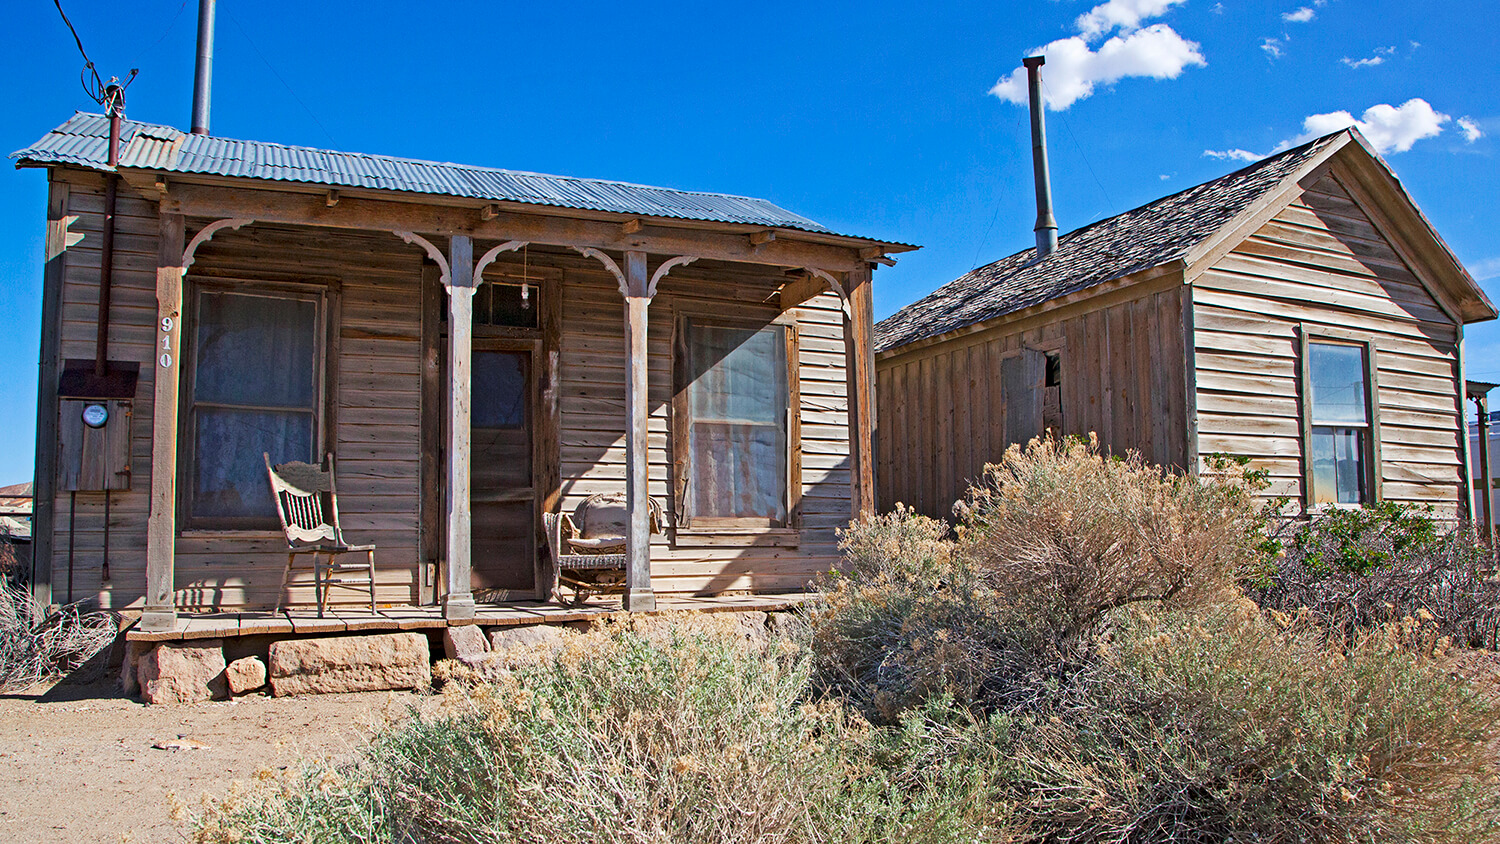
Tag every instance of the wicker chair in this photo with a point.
(307, 502)
(588, 547)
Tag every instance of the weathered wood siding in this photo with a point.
(593, 421)
(376, 409)
(1323, 263)
(941, 410)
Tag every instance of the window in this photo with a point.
(1340, 430)
(254, 386)
(731, 427)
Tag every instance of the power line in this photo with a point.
(283, 82)
(168, 31)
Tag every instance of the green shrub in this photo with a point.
(1358, 568)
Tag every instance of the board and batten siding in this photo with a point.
(593, 419)
(1323, 264)
(941, 409)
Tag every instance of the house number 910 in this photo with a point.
(167, 325)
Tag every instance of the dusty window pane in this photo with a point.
(1338, 384)
(737, 434)
(499, 391)
(1338, 470)
(256, 351)
(229, 475)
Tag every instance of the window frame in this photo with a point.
(685, 522)
(325, 295)
(1372, 472)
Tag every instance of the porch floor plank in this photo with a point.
(302, 621)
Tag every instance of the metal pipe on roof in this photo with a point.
(1046, 224)
(203, 75)
(114, 99)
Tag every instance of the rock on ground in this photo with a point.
(183, 672)
(465, 643)
(245, 675)
(350, 664)
(130, 666)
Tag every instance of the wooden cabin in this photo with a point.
(476, 347)
(1301, 312)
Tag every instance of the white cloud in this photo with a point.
(1485, 270)
(1125, 15)
(1233, 154)
(1388, 128)
(1073, 69)
(1302, 15)
(1272, 47)
(1218, 9)
(1470, 127)
(1379, 57)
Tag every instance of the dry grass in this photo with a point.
(36, 646)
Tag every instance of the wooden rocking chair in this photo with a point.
(300, 490)
(588, 547)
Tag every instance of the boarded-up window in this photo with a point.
(254, 388)
(1023, 382)
(731, 427)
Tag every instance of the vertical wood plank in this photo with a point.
(548, 441)
(160, 610)
(963, 447)
(458, 600)
(859, 363)
(1372, 398)
(1189, 340)
(44, 482)
(638, 592)
(942, 411)
(430, 403)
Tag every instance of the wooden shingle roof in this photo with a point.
(1149, 236)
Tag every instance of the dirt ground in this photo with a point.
(77, 762)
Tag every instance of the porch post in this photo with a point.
(1486, 474)
(458, 600)
(160, 610)
(859, 371)
(637, 290)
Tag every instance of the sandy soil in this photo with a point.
(77, 762)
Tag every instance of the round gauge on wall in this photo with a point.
(95, 415)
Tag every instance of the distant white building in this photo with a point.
(1494, 466)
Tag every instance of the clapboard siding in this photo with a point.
(941, 409)
(592, 438)
(1323, 264)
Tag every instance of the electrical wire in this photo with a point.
(168, 31)
(1068, 126)
(111, 94)
(272, 68)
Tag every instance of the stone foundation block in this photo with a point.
(245, 675)
(183, 672)
(350, 664)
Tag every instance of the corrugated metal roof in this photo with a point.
(83, 141)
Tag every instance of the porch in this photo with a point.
(298, 622)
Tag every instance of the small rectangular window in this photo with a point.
(732, 423)
(255, 387)
(1339, 405)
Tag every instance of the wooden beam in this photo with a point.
(332, 199)
(761, 238)
(859, 363)
(270, 206)
(800, 289)
(630, 226)
(638, 593)
(549, 417)
(44, 484)
(489, 212)
(160, 610)
(458, 598)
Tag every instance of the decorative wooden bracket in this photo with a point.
(609, 264)
(489, 258)
(433, 252)
(661, 271)
(205, 235)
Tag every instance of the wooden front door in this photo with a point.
(503, 495)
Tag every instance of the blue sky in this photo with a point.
(875, 118)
